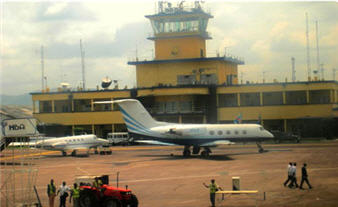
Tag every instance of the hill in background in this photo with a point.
(23, 100)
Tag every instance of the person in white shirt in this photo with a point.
(289, 179)
(63, 190)
(294, 176)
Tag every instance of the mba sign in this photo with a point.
(19, 127)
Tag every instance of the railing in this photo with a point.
(160, 110)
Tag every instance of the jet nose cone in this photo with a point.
(104, 141)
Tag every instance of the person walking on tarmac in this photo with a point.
(289, 174)
(75, 194)
(98, 185)
(213, 188)
(304, 177)
(63, 194)
(51, 190)
(294, 176)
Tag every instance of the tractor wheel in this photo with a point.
(133, 201)
(112, 203)
(87, 199)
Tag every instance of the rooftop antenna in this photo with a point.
(293, 69)
(83, 66)
(317, 46)
(322, 70)
(308, 49)
(42, 70)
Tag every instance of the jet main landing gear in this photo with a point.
(260, 148)
(206, 152)
(186, 151)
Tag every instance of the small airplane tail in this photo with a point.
(136, 116)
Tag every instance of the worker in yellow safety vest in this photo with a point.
(75, 194)
(213, 188)
(51, 190)
(97, 183)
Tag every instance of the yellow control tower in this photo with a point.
(179, 35)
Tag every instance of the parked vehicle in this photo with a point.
(280, 136)
(105, 195)
(119, 138)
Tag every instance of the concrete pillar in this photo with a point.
(180, 119)
(261, 98)
(285, 125)
(53, 106)
(91, 104)
(204, 119)
(34, 107)
(112, 106)
(93, 129)
(284, 97)
(73, 130)
(72, 105)
(112, 128)
(332, 96)
(238, 99)
(307, 96)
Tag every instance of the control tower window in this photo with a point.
(177, 26)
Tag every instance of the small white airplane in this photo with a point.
(73, 143)
(141, 125)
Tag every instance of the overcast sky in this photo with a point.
(265, 34)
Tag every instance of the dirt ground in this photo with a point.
(161, 180)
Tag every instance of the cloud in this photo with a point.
(63, 11)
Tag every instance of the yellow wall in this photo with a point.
(81, 118)
(179, 48)
(172, 91)
(276, 112)
(277, 87)
(150, 75)
(84, 95)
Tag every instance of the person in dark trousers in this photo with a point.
(289, 174)
(213, 188)
(294, 176)
(51, 192)
(304, 177)
(63, 194)
(75, 194)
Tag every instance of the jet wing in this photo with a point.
(59, 144)
(215, 143)
(155, 142)
(77, 147)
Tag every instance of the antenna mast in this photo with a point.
(318, 61)
(83, 66)
(42, 70)
(308, 49)
(293, 69)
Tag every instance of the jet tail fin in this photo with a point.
(136, 117)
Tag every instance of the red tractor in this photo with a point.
(106, 196)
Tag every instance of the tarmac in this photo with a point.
(161, 177)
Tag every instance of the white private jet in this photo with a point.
(141, 125)
(73, 143)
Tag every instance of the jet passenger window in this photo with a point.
(236, 132)
(219, 132)
(211, 132)
(244, 132)
(228, 132)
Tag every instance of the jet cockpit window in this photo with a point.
(219, 132)
(211, 132)
(261, 128)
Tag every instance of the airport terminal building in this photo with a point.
(181, 84)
